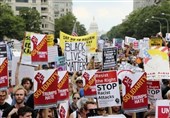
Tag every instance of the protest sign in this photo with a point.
(162, 109)
(146, 42)
(129, 40)
(3, 73)
(63, 109)
(109, 57)
(91, 40)
(109, 116)
(27, 43)
(117, 42)
(52, 53)
(90, 85)
(60, 63)
(62, 86)
(39, 48)
(155, 42)
(45, 88)
(156, 63)
(97, 56)
(50, 39)
(75, 53)
(136, 44)
(154, 91)
(107, 87)
(3, 50)
(134, 91)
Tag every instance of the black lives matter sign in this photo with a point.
(75, 53)
(109, 57)
(3, 50)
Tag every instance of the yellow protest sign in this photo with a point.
(50, 39)
(155, 42)
(27, 43)
(90, 39)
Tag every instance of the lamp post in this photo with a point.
(160, 25)
(163, 19)
(164, 14)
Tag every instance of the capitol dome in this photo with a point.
(93, 27)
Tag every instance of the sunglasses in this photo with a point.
(76, 98)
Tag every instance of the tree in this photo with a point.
(10, 26)
(135, 25)
(32, 19)
(66, 23)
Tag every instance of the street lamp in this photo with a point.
(163, 19)
(164, 14)
(160, 25)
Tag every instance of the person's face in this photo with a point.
(27, 85)
(79, 84)
(70, 88)
(76, 97)
(47, 113)
(27, 115)
(20, 96)
(3, 95)
(116, 108)
(91, 106)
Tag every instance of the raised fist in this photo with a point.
(39, 78)
(34, 41)
(86, 76)
(62, 112)
(127, 82)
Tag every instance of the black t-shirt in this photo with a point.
(7, 111)
(4, 106)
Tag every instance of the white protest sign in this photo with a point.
(110, 116)
(107, 86)
(162, 109)
(75, 53)
(63, 109)
(97, 56)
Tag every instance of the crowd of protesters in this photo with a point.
(19, 102)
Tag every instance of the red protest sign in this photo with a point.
(163, 109)
(3, 73)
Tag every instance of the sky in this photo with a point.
(106, 13)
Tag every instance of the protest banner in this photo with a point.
(154, 91)
(134, 91)
(45, 88)
(156, 63)
(39, 48)
(3, 50)
(91, 40)
(50, 40)
(63, 109)
(107, 87)
(97, 56)
(109, 57)
(75, 53)
(90, 85)
(62, 86)
(162, 109)
(155, 42)
(3, 73)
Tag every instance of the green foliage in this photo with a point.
(66, 23)
(10, 26)
(31, 18)
(135, 25)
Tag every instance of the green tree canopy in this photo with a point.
(66, 23)
(135, 25)
(10, 26)
(32, 19)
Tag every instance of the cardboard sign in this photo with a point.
(62, 86)
(39, 48)
(109, 57)
(90, 85)
(3, 73)
(154, 91)
(45, 88)
(162, 109)
(75, 53)
(107, 86)
(156, 63)
(134, 90)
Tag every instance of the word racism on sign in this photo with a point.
(109, 57)
(75, 53)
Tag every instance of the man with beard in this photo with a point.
(19, 94)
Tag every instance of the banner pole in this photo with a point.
(134, 115)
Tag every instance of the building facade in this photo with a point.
(44, 7)
(62, 7)
(143, 3)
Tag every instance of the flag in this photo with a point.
(74, 31)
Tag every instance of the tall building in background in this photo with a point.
(44, 7)
(143, 3)
(62, 7)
